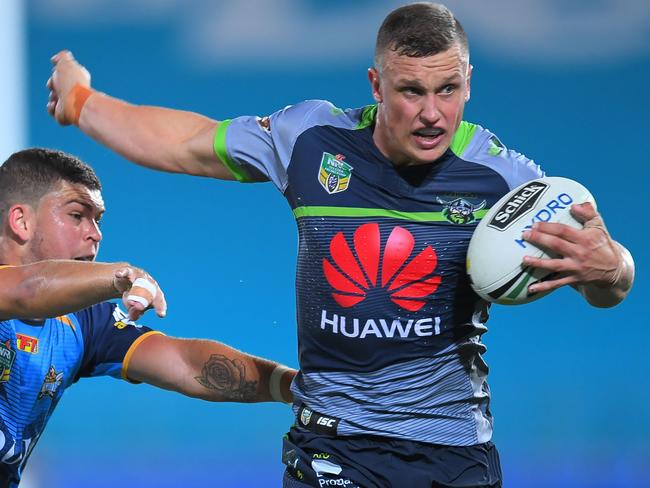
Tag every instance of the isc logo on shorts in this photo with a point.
(314, 421)
(326, 421)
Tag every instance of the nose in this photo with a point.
(94, 233)
(429, 113)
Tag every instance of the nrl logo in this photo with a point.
(305, 416)
(7, 356)
(334, 173)
(459, 211)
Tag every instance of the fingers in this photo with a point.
(160, 304)
(53, 97)
(555, 238)
(139, 292)
(562, 231)
(52, 100)
(67, 73)
(144, 294)
(561, 273)
(122, 279)
(551, 284)
(134, 310)
(554, 265)
(584, 212)
(63, 54)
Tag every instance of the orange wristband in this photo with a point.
(77, 98)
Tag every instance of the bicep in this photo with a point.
(176, 141)
(158, 360)
(198, 156)
(11, 280)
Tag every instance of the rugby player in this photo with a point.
(56, 325)
(392, 386)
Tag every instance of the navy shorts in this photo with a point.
(318, 460)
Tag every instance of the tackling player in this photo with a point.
(392, 388)
(56, 325)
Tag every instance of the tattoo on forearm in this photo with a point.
(228, 377)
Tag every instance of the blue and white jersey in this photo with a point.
(40, 359)
(389, 329)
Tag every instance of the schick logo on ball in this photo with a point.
(520, 203)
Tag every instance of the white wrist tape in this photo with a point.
(274, 383)
(147, 285)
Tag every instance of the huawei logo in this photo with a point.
(353, 275)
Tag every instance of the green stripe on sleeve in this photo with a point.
(462, 138)
(220, 150)
(375, 212)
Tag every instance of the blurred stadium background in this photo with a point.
(564, 81)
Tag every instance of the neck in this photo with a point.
(380, 137)
(11, 252)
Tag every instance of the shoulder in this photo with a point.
(98, 317)
(100, 312)
(476, 144)
(310, 113)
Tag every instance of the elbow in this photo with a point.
(603, 297)
(609, 302)
(24, 296)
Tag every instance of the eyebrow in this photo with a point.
(455, 78)
(87, 205)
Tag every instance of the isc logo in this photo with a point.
(326, 422)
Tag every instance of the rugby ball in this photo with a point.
(496, 249)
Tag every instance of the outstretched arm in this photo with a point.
(159, 138)
(53, 288)
(209, 370)
(601, 269)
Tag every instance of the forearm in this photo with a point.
(233, 376)
(206, 369)
(159, 138)
(609, 294)
(53, 288)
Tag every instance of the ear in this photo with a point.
(375, 85)
(21, 221)
(468, 91)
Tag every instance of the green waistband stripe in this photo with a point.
(375, 212)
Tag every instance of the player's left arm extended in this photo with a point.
(601, 269)
(209, 370)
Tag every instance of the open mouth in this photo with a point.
(85, 258)
(428, 137)
(429, 132)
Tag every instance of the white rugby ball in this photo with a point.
(496, 250)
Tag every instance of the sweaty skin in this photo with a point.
(420, 104)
